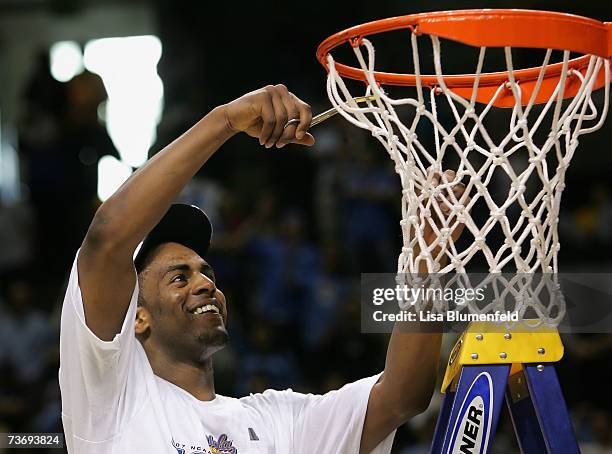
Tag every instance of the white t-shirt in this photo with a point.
(112, 403)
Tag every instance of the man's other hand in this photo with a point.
(264, 113)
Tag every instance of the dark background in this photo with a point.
(293, 228)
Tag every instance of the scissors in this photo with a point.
(330, 112)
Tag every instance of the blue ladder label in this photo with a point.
(473, 425)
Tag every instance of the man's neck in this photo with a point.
(195, 378)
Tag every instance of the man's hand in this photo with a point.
(264, 113)
(458, 190)
(429, 234)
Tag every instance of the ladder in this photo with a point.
(489, 365)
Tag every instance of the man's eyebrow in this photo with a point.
(204, 267)
(178, 266)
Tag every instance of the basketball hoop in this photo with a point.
(553, 97)
(489, 28)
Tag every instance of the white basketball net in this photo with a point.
(530, 240)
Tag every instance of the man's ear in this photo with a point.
(142, 320)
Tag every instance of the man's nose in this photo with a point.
(204, 286)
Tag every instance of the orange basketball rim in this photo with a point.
(489, 28)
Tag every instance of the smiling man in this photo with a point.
(138, 333)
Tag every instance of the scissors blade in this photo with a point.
(331, 112)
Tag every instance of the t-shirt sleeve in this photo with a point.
(332, 422)
(94, 374)
(335, 420)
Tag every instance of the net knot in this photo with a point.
(449, 140)
(537, 158)
(498, 156)
(498, 214)
(457, 263)
(518, 186)
(378, 132)
(445, 234)
(457, 207)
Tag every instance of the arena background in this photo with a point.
(293, 228)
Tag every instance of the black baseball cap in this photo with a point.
(184, 224)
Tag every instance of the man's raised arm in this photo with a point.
(105, 264)
(408, 381)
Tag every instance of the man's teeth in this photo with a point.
(207, 308)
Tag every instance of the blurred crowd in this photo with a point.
(293, 230)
